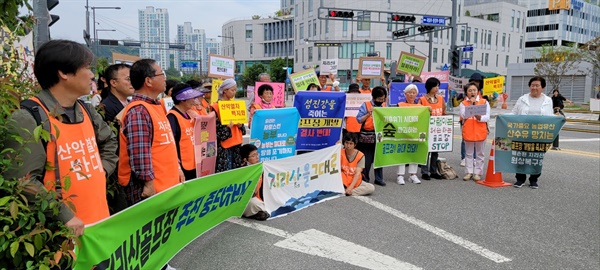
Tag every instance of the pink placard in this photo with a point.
(205, 144)
(278, 93)
(440, 75)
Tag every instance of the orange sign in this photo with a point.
(559, 4)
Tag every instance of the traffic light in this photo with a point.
(341, 14)
(455, 60)
(348, 75)
(425, 28)
(400, 33)
(403, 18)
(53, 18)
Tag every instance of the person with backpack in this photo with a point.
(85, 150)
(475, 132)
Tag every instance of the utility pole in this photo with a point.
(430, 36)
(454, 31)
(41, 28)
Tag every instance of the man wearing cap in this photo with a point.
(182, 126)
(148, 154)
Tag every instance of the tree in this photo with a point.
(590, 52)
(173, 74)
(255, 17)
(555, 63)
(251, 74)
(277, 67)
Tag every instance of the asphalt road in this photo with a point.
(440, 224)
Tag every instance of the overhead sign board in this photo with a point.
(433, 20)
(467, 49)
(189, 64)
(466, 61)
(328, 44)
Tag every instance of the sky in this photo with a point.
(209, 15)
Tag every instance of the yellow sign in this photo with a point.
(492, 85)
(233, 111)
(320, 122)
(214, 96)
(559, 4)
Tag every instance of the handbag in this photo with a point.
(366, 136)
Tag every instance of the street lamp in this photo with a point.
(232, 44)
(94, 18)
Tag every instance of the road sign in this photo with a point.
(445, 67)
(328, 44)
(466, 61)
(467, 49)
(189, 64)
(433, 20)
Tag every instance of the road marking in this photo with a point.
(580, 140)
(437, 231)
(317, 243)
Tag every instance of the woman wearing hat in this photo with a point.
(182, 125)
(229, 137)
(410, 92)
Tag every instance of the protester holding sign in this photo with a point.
(350, 123)
(410, 92)
(534, 103)
(229, 137)
(182, 126)
(366, 142)
(437, 106)
(474, 131)
(353, 162)
(265, 94)
(256, 206)
(366, 84)
(323, 81)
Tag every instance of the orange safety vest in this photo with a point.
(473, 130)
(259, 188)
(205, 106)
(349, 168)
(164, 151)
(404, 104)
(362, 91)
(352, 125)
(186, 141)
(369, 126)
(327, 88)
(437, 109)
(75, 152)
(236, 133)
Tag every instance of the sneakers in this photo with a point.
(436, 176)
(467, 177)
(168, 267)
(425, 177)
(533, 185)
(476, 177)
(518, 184)
(262, 216)
(413, 178)
(400, 180)
(462, 162)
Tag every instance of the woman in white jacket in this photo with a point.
(534, 103)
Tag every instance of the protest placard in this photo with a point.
(440, 75)
(397, 91)
(410, 63)
(493, 85)
(328, 66)
(353, 103)
(301, 79)
(521, 141)
(441, 130)
(205, 144)
(148, 234)
(401, 135)
(220, 66)
(233, 111)
(293, 183)
(274, 132)
(321, 115)
(214, 96)
(473, 110)
(278, 93)
(370, 67)
(457, 83)
(168, 103)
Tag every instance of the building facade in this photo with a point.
(213, 46)
(191, 59)
(154, 35)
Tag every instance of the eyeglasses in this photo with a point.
(160, 74)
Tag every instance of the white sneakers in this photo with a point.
(476, 177)
(170, 267)
(400, 180)
(462, 162)
(413, 178)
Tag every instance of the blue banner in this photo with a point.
(397, 92)
(274, 132)
(321, 115)
(521, 141)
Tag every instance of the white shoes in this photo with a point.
(170, 267)
(400, 180)
(415, 179)
(462, 162)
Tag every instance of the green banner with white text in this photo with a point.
(149, 234)
(401, 135)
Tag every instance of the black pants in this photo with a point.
(555, 142)
(533, 178)
(431, 166)
(368, 149)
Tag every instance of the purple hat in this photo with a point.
(186, 94)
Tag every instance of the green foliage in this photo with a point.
(251, 75)
(31, 237)
(278, 73)
(101, 65)
(557, 64)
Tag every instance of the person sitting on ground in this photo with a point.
(352, 163)
(256, 207)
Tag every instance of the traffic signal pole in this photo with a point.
(41, 29)
(454, 31)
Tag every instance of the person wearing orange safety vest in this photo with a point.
(410, 93)
(437, 107)
(256, 206)
(365, 117)
(474, 131)
(148, 154)
(351, 125)
(265, 97)
(182, 125)
(323, 82)
(352, 164)
(82, 149)
(229, 135)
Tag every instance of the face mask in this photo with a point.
(377, 103)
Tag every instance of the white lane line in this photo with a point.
(437, 231)
(317, 243)
(580, 140)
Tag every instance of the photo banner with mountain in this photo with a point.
(150, 233)
(293, 183)
(521, 142)
(401, 135)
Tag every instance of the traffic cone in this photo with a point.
(493, 179)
